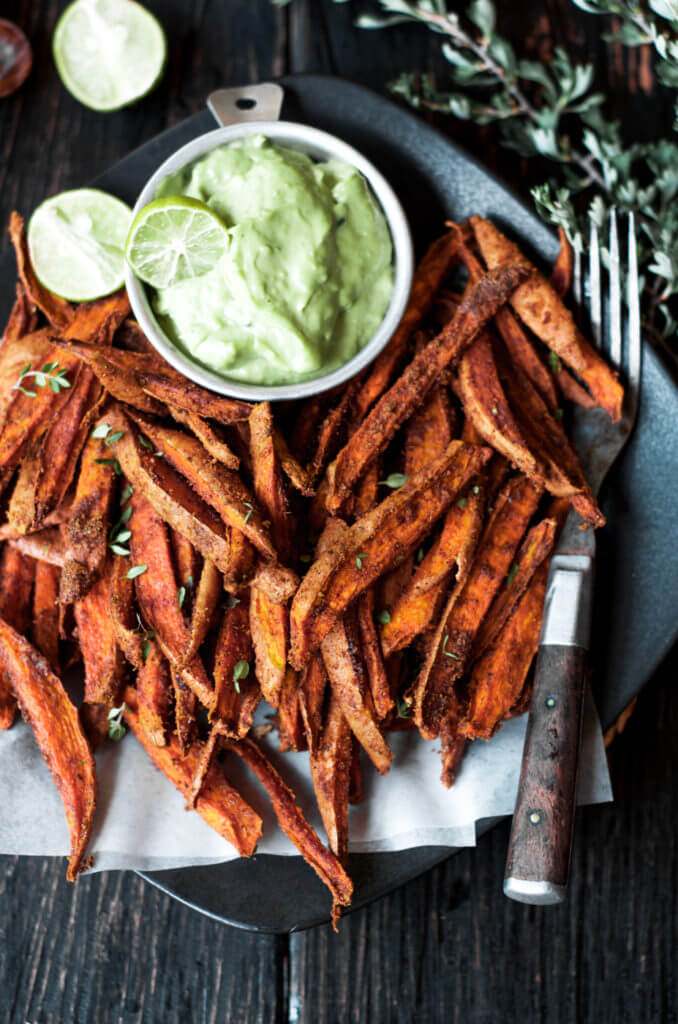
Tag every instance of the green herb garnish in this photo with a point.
(116, 726)
(136, 570)
(394, 480)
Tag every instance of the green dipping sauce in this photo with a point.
(307, 276)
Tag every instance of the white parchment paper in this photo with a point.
(141, 821)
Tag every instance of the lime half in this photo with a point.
(175, 239)
(108, 53)
(77, 242)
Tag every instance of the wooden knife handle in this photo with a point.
(538, 862)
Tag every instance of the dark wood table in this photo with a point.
(447, 947)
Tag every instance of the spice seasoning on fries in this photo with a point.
(157, 532)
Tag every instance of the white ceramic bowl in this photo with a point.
(320, 146)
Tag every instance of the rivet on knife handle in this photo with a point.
(262, 102)
(538, 861)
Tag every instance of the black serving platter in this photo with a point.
(636, 608)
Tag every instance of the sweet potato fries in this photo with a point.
(371, 560)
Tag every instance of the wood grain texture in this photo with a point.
(447, 947)
(539, 846)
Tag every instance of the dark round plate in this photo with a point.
(636, 609)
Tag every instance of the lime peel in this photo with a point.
(76, 241)
(109, 53)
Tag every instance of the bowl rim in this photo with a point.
(307, 139)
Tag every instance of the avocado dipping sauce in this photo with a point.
(306, 279)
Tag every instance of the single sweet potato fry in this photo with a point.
(293, 822)
(276, 581)
(428, 277)
(573, 391)
(187, 562)
(435, 695)
(498, 677)
(453, 746)
(372, 655)
(486, 406)
(177, 391)
(154, 696)
(204, 433)
(535, 549)
(429, 431)
(22, 318)
(290, 722)
(207, 597)
(563, 268)
(94, 721)
(540, 307)
(157, 594)
(332, 428)
(299, 477)
(126, 626)
(269, 486)
(269, 626)
(86, 532)
(119, 383)
(45, 545)
(343, 663)
(219, 487)
(331, 773)
(416, 607)
(45, 630)
(480, 303)
(64, 442)
(312, 689)
(234, 646)
(56, 726)
(97, 640)
(58, 311)
(16, 585)
(218, 803)
(377, 542)
(523, 353)
(356, 789)
(185, 705)
(22, 512)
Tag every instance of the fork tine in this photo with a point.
(633, 302)
(577, 283)
(615, 293)
(596, 310)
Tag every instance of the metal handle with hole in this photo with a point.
(242, 103)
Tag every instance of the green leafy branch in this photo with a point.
(552, 111)
(656, 27)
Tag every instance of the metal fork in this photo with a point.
(538, 862)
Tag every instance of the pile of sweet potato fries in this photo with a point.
(372, 559)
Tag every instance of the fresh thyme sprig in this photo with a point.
(49, 375)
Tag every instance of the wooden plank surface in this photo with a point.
(447, 947)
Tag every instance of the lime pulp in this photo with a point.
(76, 241)
(175, 239)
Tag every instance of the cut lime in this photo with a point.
(108, 53)
(175, 239)
(77, 241)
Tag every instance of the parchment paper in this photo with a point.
(141, 821)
